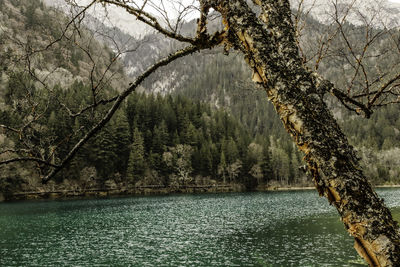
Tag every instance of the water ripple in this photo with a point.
(249, 229)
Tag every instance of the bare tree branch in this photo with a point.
(150, 20)
(32, 159)
(186, 51)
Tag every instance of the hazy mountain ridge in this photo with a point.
(111, 16)
(378, 12)
(152, 46)
(184, 75)
(31, 25)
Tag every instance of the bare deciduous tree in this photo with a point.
(359, 50)
(271, 50)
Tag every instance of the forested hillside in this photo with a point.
(199, 121)
(224, 81)
(37, 72)
(153, 140)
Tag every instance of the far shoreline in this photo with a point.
(387, 186)
(294, 188)
(105, 193)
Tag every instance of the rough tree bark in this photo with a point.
(269, 46)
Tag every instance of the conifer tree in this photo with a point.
(160, 138)
(103, 154)
(222, 167)
(266, 165)
(122, 141)
(136, 163)
(231, 150)
(206, 159)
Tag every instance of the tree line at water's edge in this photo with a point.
(174, 142)
(154, 140)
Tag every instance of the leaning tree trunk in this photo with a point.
(269, 46)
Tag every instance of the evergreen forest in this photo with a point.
(214, 128)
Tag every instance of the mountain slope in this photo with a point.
(225, 82)
(378, 12)
(218, 85)
(160, 133)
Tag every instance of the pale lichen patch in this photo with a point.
(381, 245)
(297, 123)
(256, 77)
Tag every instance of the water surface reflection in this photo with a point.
(248, 229)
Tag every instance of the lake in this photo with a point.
(295, 228)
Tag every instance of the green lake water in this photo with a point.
(242, 229)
